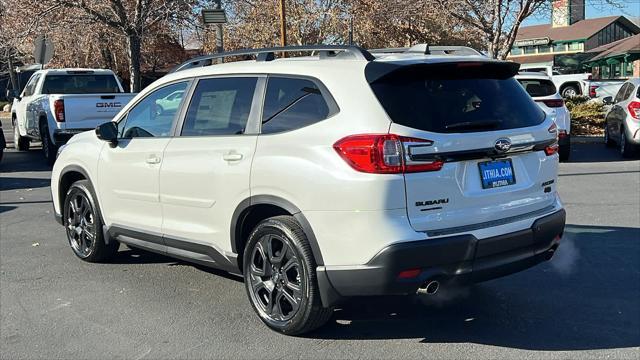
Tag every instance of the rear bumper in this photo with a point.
(462, 259)
(61, 136)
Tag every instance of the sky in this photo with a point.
(596, 8)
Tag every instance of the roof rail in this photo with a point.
(427, 49)
(268, 54)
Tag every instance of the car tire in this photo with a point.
(280, 277)
(83, 223)
(570, 91)
(608, 142)
(49, 149)
(20, 143)
(627, 149)
(564, 152)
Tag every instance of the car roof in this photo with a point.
(66, 71)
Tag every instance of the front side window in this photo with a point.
(292, 103)
(220, 106)
(148, 118)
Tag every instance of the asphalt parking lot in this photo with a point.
(583, 304)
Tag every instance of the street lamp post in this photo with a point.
(217, 17)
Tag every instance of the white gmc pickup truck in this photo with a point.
(59, 103)
(567, 84)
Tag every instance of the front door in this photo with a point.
(129, 172)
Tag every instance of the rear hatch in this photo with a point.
(87, 99)
(544, 93)
(491, 138)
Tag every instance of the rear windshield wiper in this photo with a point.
(487, 124)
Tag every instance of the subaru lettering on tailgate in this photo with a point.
(496, 173)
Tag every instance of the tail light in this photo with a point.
(562, 134)
(58, 110)
(381, 154)
(553, 103)
(553, 148)
(634, 109)
(592, 90)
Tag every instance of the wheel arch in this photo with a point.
(69, 175)
(257, 208)
(573, 84)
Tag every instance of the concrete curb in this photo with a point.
(587, 139)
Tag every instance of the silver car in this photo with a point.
(622, 122)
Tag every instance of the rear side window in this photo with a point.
(620, 96)
(452, 99)
(538, 87)
(292, 103)
(80, 84)
(220, 106)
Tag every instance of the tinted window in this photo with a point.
(621, 93)
(451, 101)
(80, 84)
(536, 87)
(220, 107)
(148, 119)
(30, 88)
(291, 104)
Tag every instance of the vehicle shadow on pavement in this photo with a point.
(127, 255)
(22, 161)
(15, 183)
(595, 152)
(586, 297)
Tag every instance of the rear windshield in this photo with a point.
(455, 101)
(80, 84)
(538, 87)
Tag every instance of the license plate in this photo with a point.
(496, 173)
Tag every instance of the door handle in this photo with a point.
(232, 156)
(153, 159)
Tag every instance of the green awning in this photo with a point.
(613, 61)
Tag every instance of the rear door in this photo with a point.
(206, 169)
(490, 135)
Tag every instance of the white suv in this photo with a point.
(324, 177)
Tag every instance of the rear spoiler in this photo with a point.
(469, 69)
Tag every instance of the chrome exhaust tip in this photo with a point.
(429, 288)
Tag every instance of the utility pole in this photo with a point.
(351, 30)
(219, 38)
(283, 24)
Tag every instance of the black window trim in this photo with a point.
(334, 109)
(253, 123)
(124, 117)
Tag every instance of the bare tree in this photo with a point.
(132, 19)
(497, 21)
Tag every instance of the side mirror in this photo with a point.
(108, 132)
(13, 94)
(607, 100)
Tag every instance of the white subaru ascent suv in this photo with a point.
(318, 178)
